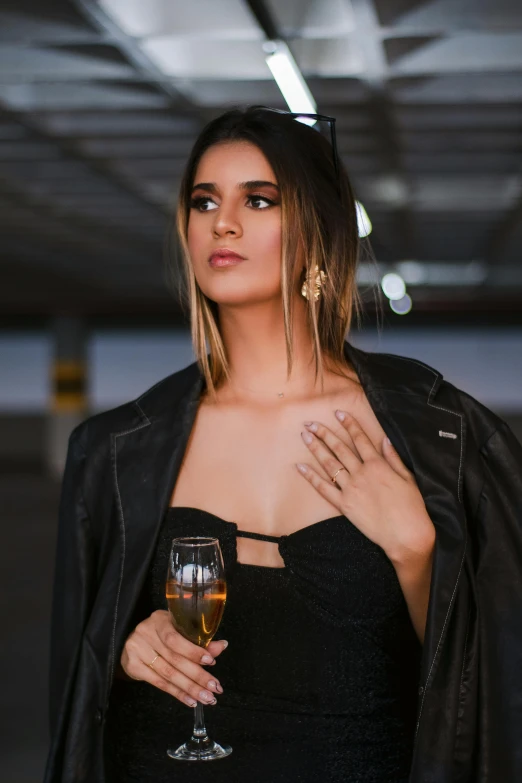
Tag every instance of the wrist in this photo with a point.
(414, 556)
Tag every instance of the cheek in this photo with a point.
(194, 236)
(265, 237)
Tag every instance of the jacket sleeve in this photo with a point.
(499, 588)
(73, 580)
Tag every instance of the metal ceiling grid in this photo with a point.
(100, 103)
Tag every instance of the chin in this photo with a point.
(241, 291)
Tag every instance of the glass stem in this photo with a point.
(199, 733)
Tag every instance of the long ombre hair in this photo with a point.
(319, 225)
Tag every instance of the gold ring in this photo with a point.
(336, 472)
(151, 664)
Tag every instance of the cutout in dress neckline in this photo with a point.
(248, 533)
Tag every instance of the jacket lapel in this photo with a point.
(146, 462)
(430, 439)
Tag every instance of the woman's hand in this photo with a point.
(177, 663)
(374, 490)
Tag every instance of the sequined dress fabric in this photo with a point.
(320, 677)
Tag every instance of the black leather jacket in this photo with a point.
(120, 472)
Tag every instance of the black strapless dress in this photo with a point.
(320, 677)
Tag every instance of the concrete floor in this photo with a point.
(27, 535)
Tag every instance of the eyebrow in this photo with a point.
(251, 184)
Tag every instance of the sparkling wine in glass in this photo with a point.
(196, 593)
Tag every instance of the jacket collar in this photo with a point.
(402, 392)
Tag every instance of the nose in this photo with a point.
(226, 222)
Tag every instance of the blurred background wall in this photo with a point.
(100, 101)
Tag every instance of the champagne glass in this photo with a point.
(196, 593)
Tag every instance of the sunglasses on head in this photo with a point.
(315, 118)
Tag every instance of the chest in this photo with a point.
(239, 463)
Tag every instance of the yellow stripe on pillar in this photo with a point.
(69, 386)
(69, 370)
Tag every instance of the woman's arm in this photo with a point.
(380, 496)
(414, 574)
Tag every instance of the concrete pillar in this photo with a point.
(68, 404)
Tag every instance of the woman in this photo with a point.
(373, 619)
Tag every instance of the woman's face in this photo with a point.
(236, 206)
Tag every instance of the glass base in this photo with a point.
(200, 750)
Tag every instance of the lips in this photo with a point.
(225, 257)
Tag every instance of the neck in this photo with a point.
(254, 339)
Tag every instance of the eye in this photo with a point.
(268, 201)
(197, 203)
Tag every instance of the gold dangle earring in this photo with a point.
(318, 278)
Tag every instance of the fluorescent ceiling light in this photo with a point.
(364, 224)
(289, 79)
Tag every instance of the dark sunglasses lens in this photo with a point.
(326, 127)
(323, 124)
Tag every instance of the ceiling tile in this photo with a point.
(178, 57)
(198, 19)
(312, 18)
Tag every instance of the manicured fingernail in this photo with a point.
(207, 659)
(301, 467)
(206, 697)
(341, 415)
(224, 643)
(212, 684)
(190, 702)
(312, 425)
(307, 437)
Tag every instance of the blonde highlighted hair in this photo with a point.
(316, 207)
